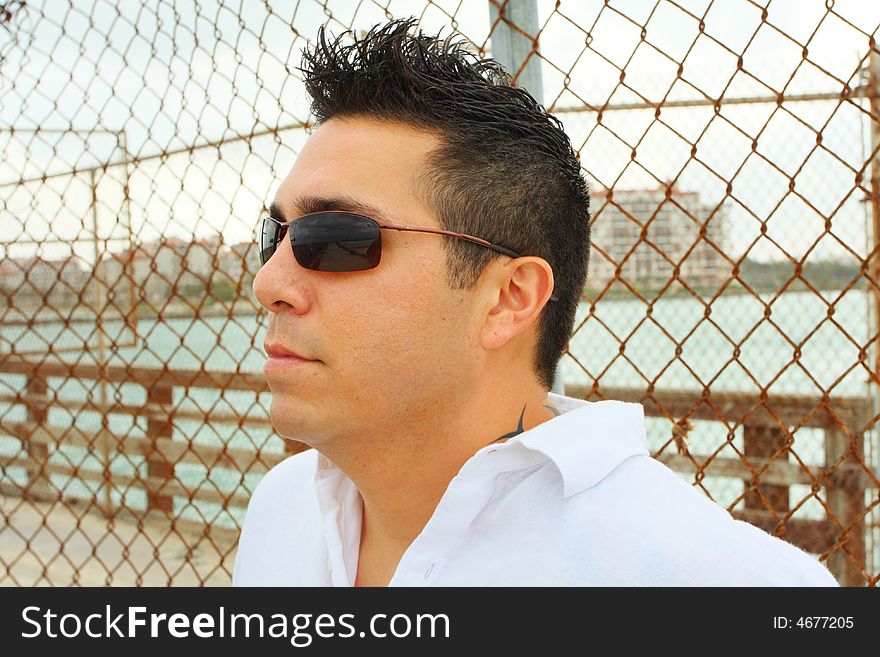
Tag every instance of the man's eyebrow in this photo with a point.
(308, 204)
(276, 213)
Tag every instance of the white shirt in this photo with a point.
(574, 501)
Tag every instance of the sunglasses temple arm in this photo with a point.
(470, 238)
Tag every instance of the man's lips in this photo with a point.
(275, 350)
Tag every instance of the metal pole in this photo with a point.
(101, 293)
(131, 317)
(517, 53)
(511, 48)
(874, 99)
(871, 390)
(873, 93)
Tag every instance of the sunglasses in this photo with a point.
(333, 241)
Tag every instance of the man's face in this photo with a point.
(392, 341)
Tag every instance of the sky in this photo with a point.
(176, 74)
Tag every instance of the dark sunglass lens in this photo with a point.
(271, 234)
(335, 241)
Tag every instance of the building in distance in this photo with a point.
(647, 234)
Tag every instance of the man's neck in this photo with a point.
(402, 474)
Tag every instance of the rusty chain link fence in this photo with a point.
(733, 153)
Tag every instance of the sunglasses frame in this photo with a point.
(398, 227)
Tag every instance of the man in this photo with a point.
(417, 363)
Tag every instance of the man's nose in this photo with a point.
(282, 282)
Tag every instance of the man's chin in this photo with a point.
(294, 423)
(289, 419)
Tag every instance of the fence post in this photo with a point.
(763, 441)
(160, 396)
(101, 292)
(846, 499)
(511, 48)
(38, 484)
(873, 93)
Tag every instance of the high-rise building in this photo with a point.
(647, 234)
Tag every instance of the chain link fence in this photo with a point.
(732, 153)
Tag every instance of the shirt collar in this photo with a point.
(589, 439)
(585, 443)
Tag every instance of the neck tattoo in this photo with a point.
(519, 428)
(552, 409)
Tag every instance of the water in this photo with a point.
(736, 348)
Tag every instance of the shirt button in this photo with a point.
(428, 572)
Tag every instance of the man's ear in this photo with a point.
(516, 292)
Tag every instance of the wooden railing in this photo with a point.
(160, 446)
(769, 465)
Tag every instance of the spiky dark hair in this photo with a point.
(505, 170)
